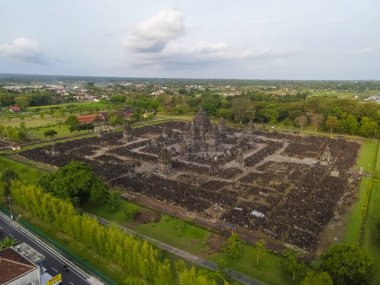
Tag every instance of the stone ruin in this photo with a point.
(127, 132)
(282, 185)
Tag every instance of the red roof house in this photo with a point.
(84, 119)
(14, 108)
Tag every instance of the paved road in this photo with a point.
(53, 260)
(235, 275)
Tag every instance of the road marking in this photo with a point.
(54, 269)
(11, 236)
(71, 283)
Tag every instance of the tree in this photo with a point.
(221, 269)
(22, 101)
(260, 250)
(331, 123)
(233, 246)
(270, 113)
(301, 121)
(313, 278)
(7, 242)
(243, 109)
(77, 182)
(291, 265)
(116, 120)
(113, 200)
(348, 265)
(316, 120)
(179, 225)
(50, 133)
(7, 176)
(368, 127)
(73, 122)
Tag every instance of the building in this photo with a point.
(92, 118)
(15, 269)
(14, 109)
(85, 119)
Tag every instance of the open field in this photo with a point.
(62, 131)
(25, 172)
(354, 222)
(80, 106)
(269, 269)
(371, 241)
(30, 121)
(369, 188)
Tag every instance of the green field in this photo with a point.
(355, 220)
(367, 156)
(191, 238)
(369, 189)
(62, 131)
(30, 121)
(89, 106)
(123, 215)
(25, 172)
(371, 241)
(269, 269)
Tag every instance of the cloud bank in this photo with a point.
(155, 41)
(23, 50)
(152, 35)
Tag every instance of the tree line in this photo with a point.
(332, 114)
(139, 260)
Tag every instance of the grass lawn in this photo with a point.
(30, 121)
(123, 215)
(25, 172)
(191, 238)
(371, 241)
(367, 160)
(73, 105)
(62, 131)
(269, 269)
(370, 163)
(355, 220)
(367, 156)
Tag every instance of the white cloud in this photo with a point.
(154, 34)
(370, 49)
(207, 53)
(155, 42)
(24, 50)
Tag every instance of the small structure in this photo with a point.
(222, 127)
(17, 269)
(257, 214)
(164, 161)
(249, 131)
(240, 159)
(14, 109)
(229, 227)
(127, 133)
(56, 149)
(326, 156)
(86, 119)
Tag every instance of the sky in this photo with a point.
(247, 39)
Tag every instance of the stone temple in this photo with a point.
(284, 186)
